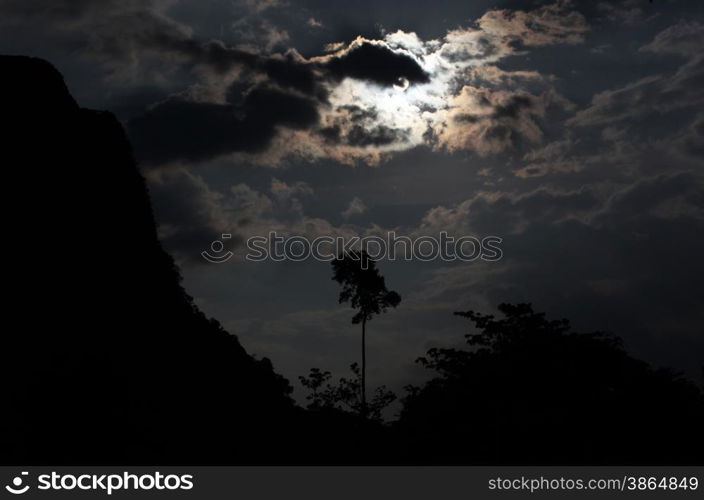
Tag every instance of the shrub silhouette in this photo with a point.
(529, 390)
(346, 395)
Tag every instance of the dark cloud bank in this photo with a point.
(179, 129)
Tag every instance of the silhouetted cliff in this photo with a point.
(105, 357)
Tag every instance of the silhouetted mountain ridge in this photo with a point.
(109, 359)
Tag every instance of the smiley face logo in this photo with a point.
(16, 488)
(218, 255)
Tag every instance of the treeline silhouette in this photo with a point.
(106, 359)
(529, 390)
(525, 390)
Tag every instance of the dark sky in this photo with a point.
(573, 130)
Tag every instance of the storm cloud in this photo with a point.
(196, 131)
(416, 89)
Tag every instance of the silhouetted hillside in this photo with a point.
(105, 357)
(529, 390)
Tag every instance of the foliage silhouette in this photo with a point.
(365, 289)
(529, 390)
(346, 395)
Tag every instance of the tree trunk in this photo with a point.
(364, 368)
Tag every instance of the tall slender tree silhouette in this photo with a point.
(365, 289)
